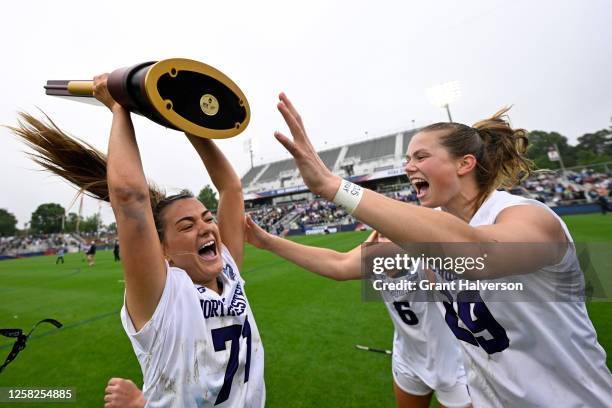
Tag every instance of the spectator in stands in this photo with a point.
(279, 230)
(270, 217)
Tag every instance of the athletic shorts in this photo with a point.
(455, 396)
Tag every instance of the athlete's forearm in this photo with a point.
(126, 179)
(322, 261)
(143, 263)
(414, 228)
(230, 213)
(218, 167)
(408, 223)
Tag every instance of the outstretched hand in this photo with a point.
(255, 235)
(100, 92)
(319, 179)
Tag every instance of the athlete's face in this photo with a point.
(431, 170)
(191, 239)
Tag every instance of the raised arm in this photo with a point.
(406, 223)
(375, 209)
(141, 251)
(322, 261)
(230, 214)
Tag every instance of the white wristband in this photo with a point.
(348, 196)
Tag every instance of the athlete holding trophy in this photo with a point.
(179, 263)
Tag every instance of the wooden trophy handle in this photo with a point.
(69, 88)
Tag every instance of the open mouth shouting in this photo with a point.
(208, 250)
(421, 185)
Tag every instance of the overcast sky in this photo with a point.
(351, 67)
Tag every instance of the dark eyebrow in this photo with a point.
(190, 218)
(415, 153)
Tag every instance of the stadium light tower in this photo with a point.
(554, 154)
(442, 95)
(247, 147)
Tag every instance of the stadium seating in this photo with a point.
(45, 244)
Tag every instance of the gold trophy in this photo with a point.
(178, 93)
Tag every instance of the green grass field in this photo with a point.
(309, 326)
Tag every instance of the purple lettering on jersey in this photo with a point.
(238, 303)
(212, 308)
(469, 303)
(229, 272)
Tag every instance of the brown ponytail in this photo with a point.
(499, 150)
(74, 160)
(79, 162)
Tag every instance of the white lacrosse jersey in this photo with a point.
(423, 345)
(537, 353)
(200, 349)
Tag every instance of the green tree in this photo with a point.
(539, 144)
(584, 156)
(8, 223)
(71, 222)
(90, 224)
(208, 197)
(47, 218)
(599, 143)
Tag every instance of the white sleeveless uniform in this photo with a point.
(426, 355)
(529, 354)
(200, 349)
